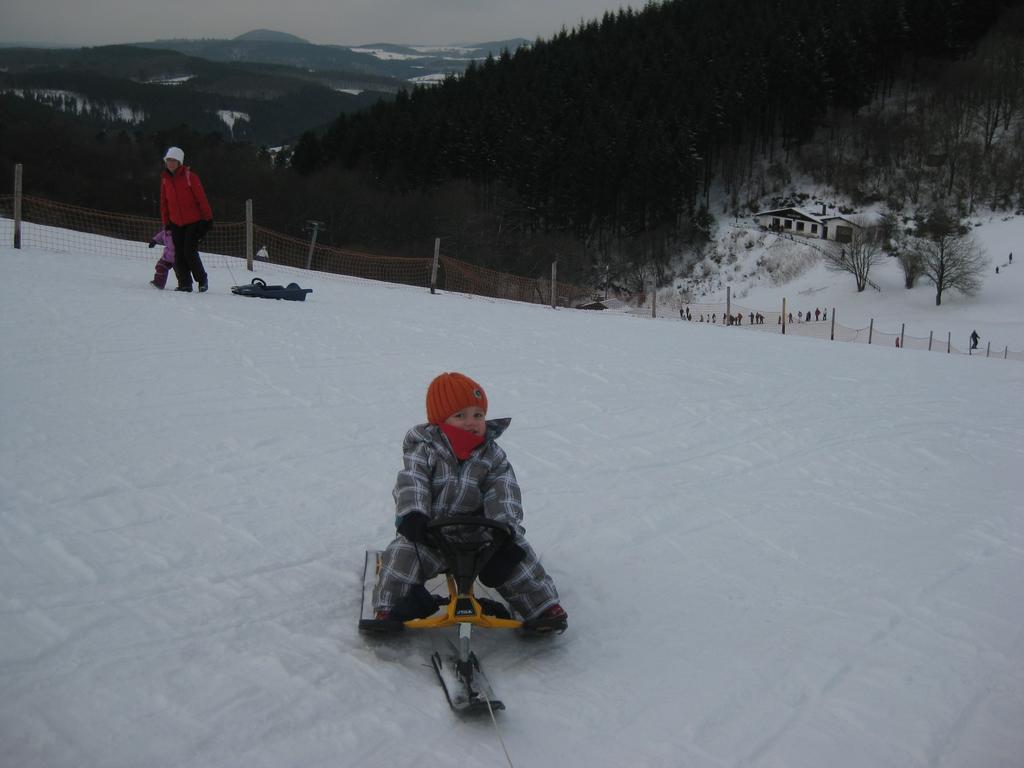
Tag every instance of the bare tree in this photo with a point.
(910, 261)
(857, 256)
(951, 262)
(895, 243)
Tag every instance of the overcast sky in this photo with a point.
(345, 22)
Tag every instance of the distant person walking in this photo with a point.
(975, 338)
(185, 211)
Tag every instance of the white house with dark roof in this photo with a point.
(796, 222)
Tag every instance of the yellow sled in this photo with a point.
(464, 563)
(465, 685)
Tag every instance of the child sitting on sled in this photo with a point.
(453, 466)
(166, 261)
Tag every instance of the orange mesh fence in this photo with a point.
(285, 251)
(797, 324)
(455, 275)
(59, 227)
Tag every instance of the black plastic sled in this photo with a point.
(259, 288)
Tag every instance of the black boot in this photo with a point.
(417, 603)
(554, 619)
(383, 623)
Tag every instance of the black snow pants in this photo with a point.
(187, 263)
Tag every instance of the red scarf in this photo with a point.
(463, 443)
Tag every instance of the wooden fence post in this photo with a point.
(17, 205)
(433, 268)
(554, 284)
(903, 328)
(728, 303)
(1006, 350)
(832, 336)
(784, 316)
(949, 342)
(871, 329)
(654, 297)
(930, 333)
(988, 348)
(248, 234)
(312, 242)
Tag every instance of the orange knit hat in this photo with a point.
(450, 393)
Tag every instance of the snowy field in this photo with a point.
(775, 552)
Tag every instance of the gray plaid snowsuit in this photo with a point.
(433, 481)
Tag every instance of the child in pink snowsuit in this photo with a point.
(166, 262)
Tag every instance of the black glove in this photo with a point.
(152, 243)
(502, 564)
(414, 527)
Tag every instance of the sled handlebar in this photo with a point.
(476, 521)
(465, 560)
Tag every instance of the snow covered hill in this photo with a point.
(762, 268)
(775, 552)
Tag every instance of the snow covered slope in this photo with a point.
(775, 551)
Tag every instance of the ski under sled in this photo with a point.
(259, 288)
(458, 670)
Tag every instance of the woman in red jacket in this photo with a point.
(186, 212)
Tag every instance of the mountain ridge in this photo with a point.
(270, 35)
(393, 60)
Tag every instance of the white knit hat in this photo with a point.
(175, 153)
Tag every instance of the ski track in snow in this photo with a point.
(775, 552)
